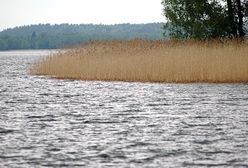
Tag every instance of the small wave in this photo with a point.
(214, 152)
(6, 131)
(63, 165)
(204, 142)
(35, 117)
(101, 122)
(54, 149)
(205, 164)
(192, 164)
(199, 124)
(137, 144)
(39, 116)
(104, 155)
(9, 156)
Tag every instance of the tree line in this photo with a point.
(205, 19)
(46, 36)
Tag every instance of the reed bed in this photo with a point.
(151, 61)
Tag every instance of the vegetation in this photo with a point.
(204, 19)
(46, 36)
(151, 61)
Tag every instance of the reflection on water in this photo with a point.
(61, 123)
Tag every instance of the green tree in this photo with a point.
(203, 19)
(33, 41)
(240, 14)
(3, 45)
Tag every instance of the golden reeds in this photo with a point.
(151, 61)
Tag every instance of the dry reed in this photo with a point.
(151, 61)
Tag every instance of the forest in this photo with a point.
(47, 36)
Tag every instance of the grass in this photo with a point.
(151, 61)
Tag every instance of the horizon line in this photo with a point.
(53, 24)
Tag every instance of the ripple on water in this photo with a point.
(64, 123)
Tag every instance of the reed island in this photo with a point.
(166, 61)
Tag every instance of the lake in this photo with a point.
(47, 122)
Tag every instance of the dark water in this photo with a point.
(61, 123)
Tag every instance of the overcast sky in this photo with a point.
(24, 12)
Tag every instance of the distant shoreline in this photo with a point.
(46, 36)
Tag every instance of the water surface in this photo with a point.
(62, 123)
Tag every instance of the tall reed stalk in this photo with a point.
(151, 61)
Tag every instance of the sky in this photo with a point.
(25, 12)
